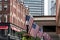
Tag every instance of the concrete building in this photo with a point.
(48, 23)
(36, 7)
(58, 16)
(12, 18)
(51, 23)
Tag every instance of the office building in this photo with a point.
(36, 7)
(51, 7)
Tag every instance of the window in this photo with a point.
(5, 6)
(3, 32)
(5, 0)
(49, 28)
(0, 7)
(5, 18)
(0, 18)
(6, 31)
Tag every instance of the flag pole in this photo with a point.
(27, 26)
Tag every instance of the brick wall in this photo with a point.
(18, 13)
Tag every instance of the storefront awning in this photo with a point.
(3, 27)
(16, 29)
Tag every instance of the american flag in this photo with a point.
(37, 28)
(30, 21)
(34, 30)
(46, 36)
(40, 33)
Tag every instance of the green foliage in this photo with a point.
(29, 38)
(21, 33)
(24, 38)
(32, 38)
(37, 38)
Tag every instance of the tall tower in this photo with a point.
(36, 7)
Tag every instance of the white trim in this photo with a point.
(14, 6)
(47, 18)
(10, 13)
(22, 21)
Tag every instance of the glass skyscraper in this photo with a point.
(36, 7)
(51, 7)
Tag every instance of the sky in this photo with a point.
(46, 7)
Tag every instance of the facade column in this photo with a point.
(58, 29)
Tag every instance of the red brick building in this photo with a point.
(12, 16)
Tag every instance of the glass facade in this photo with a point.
(51, 7)
(36, 7)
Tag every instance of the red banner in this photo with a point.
(3, 27)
